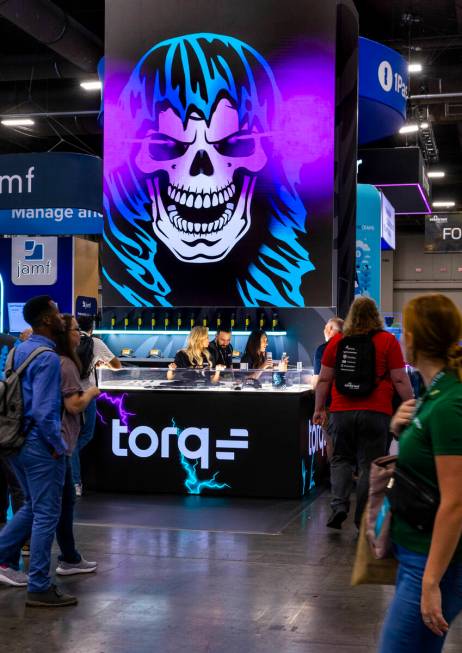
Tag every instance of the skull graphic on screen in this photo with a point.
(194, 174)
(201, 205)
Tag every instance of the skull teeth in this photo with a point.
(188, 227)
(185, 197)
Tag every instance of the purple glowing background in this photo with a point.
(118, 403)
(303, 134)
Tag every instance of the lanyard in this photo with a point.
(429, 391)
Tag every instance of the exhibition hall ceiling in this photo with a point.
(41, 79)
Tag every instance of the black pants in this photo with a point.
(9, 487)
(359, 436)
(65, 527)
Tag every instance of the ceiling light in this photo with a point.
(443, 205)
(91, 85)
(414, 68)
(408, 129)
(17, 122)
(436, 174)
(423, 125)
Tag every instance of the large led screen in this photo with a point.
(219, 153)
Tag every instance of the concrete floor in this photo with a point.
(160, 590)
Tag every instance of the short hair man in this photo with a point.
(331, 328)
(220, 348)
(101, 355)
(39, 464)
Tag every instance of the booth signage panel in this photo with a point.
(86, 306)
(368, 242)
(383, 90)
(443, 232)
(34, 261)
(388, 224)
(219, 153)
(19, 287)
(50, 193)
(167, 441)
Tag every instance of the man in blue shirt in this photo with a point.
(39, 464)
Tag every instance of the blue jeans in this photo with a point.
(403, 630)
(65, 528)
(41, 477)
(85, 436)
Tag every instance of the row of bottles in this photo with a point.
(170, 320)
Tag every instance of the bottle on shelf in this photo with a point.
(205, 321)
(275, 321)
(218, 320)
(247, 322)
(192, 321)
(166, 321)
(179, 321)
(153, 320)
(262, 321)
(113, 321)
(232, 321)
(126, 321)
(139, 321)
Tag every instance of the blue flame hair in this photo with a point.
(193, 73)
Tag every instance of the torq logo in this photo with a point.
(316, 440)
(389, 80)
(192, 442)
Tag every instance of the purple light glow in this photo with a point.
(118, 403)
(424, 198)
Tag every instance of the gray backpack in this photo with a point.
(12, 432)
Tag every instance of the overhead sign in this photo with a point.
(443, 232)
(50, 193)
(383, 90)
(368, 241)
(34, 261)
(388, 224)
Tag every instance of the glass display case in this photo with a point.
(148, 378)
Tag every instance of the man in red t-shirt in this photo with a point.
(359, 425)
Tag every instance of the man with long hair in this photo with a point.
(359, 424)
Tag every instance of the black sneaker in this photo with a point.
(336, 519)
(51, 598)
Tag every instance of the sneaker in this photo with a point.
(51, 598)
(78, 489)
(70, 568)
(13, 577)
(336, 519)
(25, 550)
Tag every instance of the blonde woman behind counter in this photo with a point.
(195, 355)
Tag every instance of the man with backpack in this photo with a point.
(92, 352)
(362, 367)
(30, 430)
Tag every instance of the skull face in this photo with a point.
(201, 206)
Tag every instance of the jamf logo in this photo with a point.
(193, 443)
(34, 261)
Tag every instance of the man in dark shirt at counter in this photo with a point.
(333, 326)
(221, 350)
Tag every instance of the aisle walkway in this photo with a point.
(278, 585)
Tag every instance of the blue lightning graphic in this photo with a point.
(192, 483)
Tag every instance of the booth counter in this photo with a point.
(246, 433)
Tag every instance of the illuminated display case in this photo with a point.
(143, 378)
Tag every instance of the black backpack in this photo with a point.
(355, 365)
(85, 353)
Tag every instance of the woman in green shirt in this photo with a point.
(429, 584)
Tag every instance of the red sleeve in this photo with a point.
(330, 352)
(395, 358)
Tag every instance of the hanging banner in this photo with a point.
(219, 153)
(53, 193)
(368, 242)
(443, 232)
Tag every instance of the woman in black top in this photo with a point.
(255, 351)
(195, 355)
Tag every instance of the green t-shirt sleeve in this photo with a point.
(446, 427)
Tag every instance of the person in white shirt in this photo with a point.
(99, 354)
